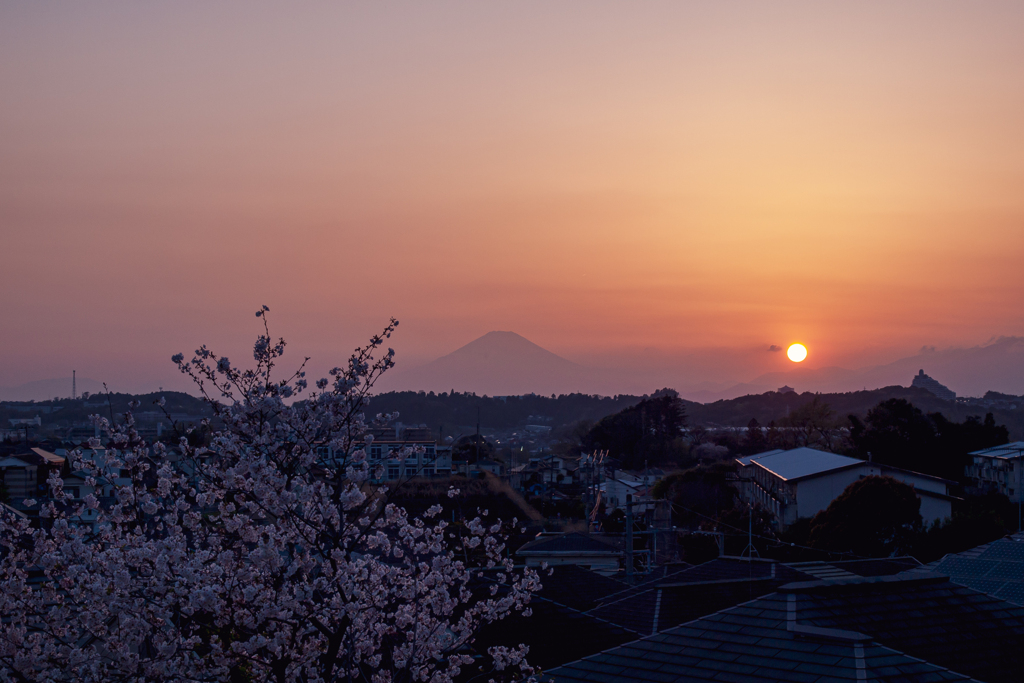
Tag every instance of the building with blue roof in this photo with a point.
(801, 482)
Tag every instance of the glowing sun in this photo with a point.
(797, 352)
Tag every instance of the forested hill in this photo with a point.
(457, 409)
(460, 409)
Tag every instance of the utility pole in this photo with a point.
(74, 387)
(750, 535)
(629, 539)
(478, 433)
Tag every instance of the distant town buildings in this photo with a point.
(544, 472)
(803, 481)
(923, 381)
(786, 389)
(403, 452)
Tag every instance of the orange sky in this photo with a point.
(600, 178)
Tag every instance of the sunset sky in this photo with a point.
(614, 181)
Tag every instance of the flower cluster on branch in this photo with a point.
(260, 552)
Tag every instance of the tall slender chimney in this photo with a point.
(74, 388)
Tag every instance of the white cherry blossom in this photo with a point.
(249, 555)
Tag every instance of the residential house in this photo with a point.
(111, 477)
(485, 465)
(543, 472)
(571, 548)
(621, 483)
(24, 475)
(18, 479)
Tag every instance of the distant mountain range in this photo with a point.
(46, 389)
(499, 364)
(505, 363)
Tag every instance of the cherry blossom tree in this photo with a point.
(262, 552)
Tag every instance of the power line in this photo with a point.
(778, 542)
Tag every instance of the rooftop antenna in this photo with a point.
(74, 387)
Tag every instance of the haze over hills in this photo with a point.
(996, 366)
(505, 363)
(45, 389)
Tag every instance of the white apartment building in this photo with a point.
(999, 468)
(803, 481)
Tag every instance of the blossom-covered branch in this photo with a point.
(263, 551)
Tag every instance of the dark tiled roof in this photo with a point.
(884, 567)
(555, 633)
(693, 593)
(752, 642)
(571, 542)
(662, 573)
(995, 568)
(927, 617)
(657, 575)
(657, 609)
(576, 587)
(850, 568)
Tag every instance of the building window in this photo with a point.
(375, 451)
(393, 472)
(428, 471)
(430, 450)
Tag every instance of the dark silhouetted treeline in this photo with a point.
(774, 407)
(897, 433)
(460, 409)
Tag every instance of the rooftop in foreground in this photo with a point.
(918, 627)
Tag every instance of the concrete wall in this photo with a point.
(934, 509)
(815, 494)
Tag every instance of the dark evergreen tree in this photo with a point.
(873, 517)
(754, 441)
(648, 433)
